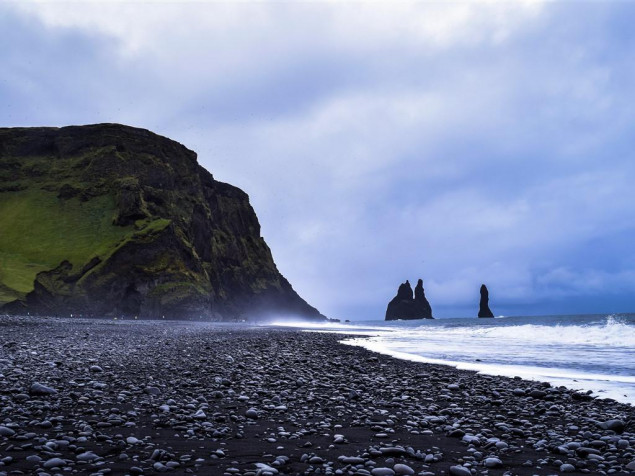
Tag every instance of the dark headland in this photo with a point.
(110, 220)
(147, 397)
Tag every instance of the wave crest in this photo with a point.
(612, 333)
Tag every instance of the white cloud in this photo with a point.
(142, 26)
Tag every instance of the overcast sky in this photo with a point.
(463, 143)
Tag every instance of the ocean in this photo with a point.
(582, 352)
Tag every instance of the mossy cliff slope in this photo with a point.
(110, 220)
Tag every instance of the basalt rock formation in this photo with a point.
(484, 310)
(404, 306)
(109, 220)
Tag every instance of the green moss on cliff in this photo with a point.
(145, 231)
(40, 230)
(148, 228)
(175, 292)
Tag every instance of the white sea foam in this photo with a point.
(340, 328)
(582, 352)
(612, 334)
(618, 387)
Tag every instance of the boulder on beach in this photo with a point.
(484, 310)
(405, 306)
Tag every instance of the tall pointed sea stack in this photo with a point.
(484, 310)
(110, 220)
(421, 305)
(403, 306)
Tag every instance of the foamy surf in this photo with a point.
(594, 353)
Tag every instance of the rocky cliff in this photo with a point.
(404, 306)
(484, 310)
(110, 220)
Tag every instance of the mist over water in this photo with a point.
(584, 352)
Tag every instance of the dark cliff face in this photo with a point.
(404, 306)
(484, 310)
(110, 220)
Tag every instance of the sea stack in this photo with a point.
(484, 310)
(404, 306)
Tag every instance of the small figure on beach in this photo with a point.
(484, 310)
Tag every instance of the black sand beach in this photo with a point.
(113, 397)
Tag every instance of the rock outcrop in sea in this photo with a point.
(404, 306)
(110, 220)
(484, 310)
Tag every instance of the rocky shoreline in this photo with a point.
(143, 397)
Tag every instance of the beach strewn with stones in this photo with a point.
(146, 397)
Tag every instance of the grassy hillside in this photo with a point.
(40, 230)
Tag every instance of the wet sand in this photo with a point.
(121, 397)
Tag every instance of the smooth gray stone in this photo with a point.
(615, 425)
(152, 390)
(351, 460)
(403, 469)
(460, 471)
(39, 389)
(54, 463)
(86, 456)
(382, 472)
(492, 462)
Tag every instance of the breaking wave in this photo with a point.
(585, 352)
(613, 333)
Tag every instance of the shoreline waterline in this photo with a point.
(584, 353)
(601, 386)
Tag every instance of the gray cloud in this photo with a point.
(464, 144)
